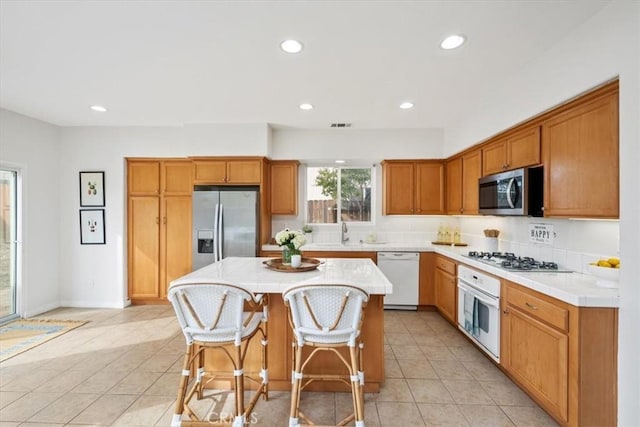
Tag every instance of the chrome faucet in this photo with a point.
(343, 233)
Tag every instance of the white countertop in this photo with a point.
(574, 288)
(577, 289)
(253, 275)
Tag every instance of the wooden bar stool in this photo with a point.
(327, 317)
(221, 317)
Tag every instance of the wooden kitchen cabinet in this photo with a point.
(427, 289)
(413, 187)
(563, 356)
(284, 187)
(241, 171)
(514, 151)
(158, 225)
(445, 288)
(463, 173)
(581, 158)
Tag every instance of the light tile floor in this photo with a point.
(122, 369)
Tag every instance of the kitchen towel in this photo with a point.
(469, 303)
(476, 320)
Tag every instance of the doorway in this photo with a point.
(8, 244)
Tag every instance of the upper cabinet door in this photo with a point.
(429, 188)
(471, 172)
(581, 159)
(177, 177)
(523, 148)
(143, 177)
(284, 188)
(454, 186)
(398, 188)
(210, 171)
(515, 151)
(244, 171)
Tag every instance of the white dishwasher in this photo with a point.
(403, 271)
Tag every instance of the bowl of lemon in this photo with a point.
(607, 272)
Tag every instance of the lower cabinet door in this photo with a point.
(445, 294)
(144, 246)
(537, 355)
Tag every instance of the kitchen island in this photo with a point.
(253, 275)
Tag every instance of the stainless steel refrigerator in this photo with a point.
(225, 223)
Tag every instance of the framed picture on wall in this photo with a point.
(91, 188)
(92, 227)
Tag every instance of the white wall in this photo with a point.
(602, 48)
(32, 147)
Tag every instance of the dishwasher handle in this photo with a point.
(399, 256)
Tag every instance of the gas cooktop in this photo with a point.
(509, 261)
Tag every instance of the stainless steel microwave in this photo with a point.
(516, 192)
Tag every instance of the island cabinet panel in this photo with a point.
(446, 290)
(564, 357)
(284, 187)
(517, 150)
(240, 171)
(413, 187)
(581, 160)
(158, 226)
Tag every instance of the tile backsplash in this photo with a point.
(575, 242)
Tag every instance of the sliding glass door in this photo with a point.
(8, 244)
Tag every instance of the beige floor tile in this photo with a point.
(65, 408)
(137, 382)
(28, 405)
(159, 363)
(451, 370)
(399, 339)
(101, 382)
(485, 416)
(399, 414)
(38, 425)
(11, 423)
(466, 353)
(430, 340)
(407, 351)
(274, 412)
(394, 327)
(106, 409)
(7, 397)
(484, 370)
(527, 416)
(506, 393)
(417, 368)
(28, 381)
(467, 392)
(166, 385)
(429, 391)
(145, 411)
(442, 415)
(438, 352)
(64, 382)
(392, 369)
(394, 390)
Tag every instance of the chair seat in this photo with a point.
(228, 335)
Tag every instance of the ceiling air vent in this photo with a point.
(340, 125)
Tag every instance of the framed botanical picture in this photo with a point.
(92, 227)
(91, 189)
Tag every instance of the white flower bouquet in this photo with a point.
(293, 239)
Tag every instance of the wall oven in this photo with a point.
(517, 192)
(479, 309)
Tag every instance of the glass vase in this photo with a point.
(286, 254)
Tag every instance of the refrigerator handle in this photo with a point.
(220, 237)
(215, 234)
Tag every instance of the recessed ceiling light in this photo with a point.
(339, 161)
(406, 105)
(98, 108)
(306, 106)
(291, 46)
(452, 42)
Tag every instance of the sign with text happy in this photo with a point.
(541, 233)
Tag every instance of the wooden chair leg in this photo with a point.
(356, 388)
(182, 387)
(296, 384)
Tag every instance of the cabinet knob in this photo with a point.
(157, 220)
(531, 306)
(461, 210)
(505, 311)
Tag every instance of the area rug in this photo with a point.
(23, 334)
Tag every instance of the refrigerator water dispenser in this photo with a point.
(205, 241)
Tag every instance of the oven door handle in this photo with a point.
(477, 295)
